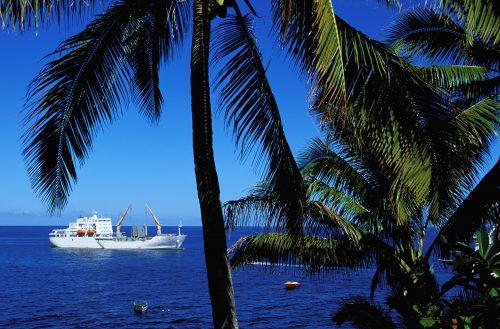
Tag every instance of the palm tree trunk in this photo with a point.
(214, 237)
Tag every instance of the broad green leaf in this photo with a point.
(483, 241)
(428, 322)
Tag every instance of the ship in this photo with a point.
(97, 233)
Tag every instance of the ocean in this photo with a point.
(46, 287)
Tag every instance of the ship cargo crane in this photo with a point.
(158, 224)
(119, 224)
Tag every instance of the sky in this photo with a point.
(134, 162)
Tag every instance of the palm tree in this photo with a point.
(464, 57)
(118, 55)
(414, 148)
(214, 238)
(384, 176)
(348, 225)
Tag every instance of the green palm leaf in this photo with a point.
(342, 205)
(314, 253)
(259, 208)
(80, 92)
(463, 83)
(482, 16)
(363, 314)
(454, 76)
(24, 14)
(152, 39)
(479, 207)
(389, 110)
(252, 111)
(308, 30)
(426, 32)
(477, 90)
(456, 169)
(345, 172)
(311, 33)
(265, 209)
(360, 52)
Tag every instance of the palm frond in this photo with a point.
(388, 114)
(71, 99)
(463, 84)
(361, 52)
(341, 205)
(479, 207)
(462, 142)
(477, 90)
(321, 220)
(31, 13)
(454, 76)
(480, 120)
(265, 209)
(407, 142)
(363, 313)
(252, 111)
(481, 16)
(259, 208)
(79, 93)
(314, 253)
(426, 32)
(343, 171)
(153, 38)
(308, 30)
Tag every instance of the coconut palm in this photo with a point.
(384, 176)
(348, 225)
(118, 55)
(472, 80)
(464, 56)
(412, 152)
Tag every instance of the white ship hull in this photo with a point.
(75, 242)
(164, 241)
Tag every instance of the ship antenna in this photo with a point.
(179, 227)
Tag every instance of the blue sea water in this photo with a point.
(46, 287)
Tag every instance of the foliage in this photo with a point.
(117, 57)
(403, 152)
(476, 306)
(477, 269)
(363, 314)
(391, 165)
(31, 13)
(252, 111)
(80, 92)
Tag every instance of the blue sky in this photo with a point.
(133, 161)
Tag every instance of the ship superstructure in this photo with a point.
(97, 232)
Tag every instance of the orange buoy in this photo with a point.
(292, 284)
